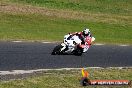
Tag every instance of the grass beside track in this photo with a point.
(69, 79)
(38, 27)
(121, 7)
(55, 19)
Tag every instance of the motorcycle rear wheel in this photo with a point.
(78, 51)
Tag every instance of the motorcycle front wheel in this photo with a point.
(56, 50)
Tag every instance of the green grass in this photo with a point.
(98, 6)
(107, 24)
(37, 27)
(69, 79)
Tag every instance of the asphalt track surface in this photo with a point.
(29, 55)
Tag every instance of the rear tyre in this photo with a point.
(56, 50)
(78, 51)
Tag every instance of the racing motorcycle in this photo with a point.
(73, 46)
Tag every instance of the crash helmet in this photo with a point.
(86, 32)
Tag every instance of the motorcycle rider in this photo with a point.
(82, 36)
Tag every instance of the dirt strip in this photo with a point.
(97, 17)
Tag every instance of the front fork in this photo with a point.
(63, 46)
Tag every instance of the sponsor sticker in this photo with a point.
(85, 81)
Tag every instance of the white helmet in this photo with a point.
(86, 32)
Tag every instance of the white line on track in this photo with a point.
(16, 72)
(123, 45)
(46, 42)
(99, 44)
(16, 41)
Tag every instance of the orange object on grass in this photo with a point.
(84, 73)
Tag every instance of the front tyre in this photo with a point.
(57, 50)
